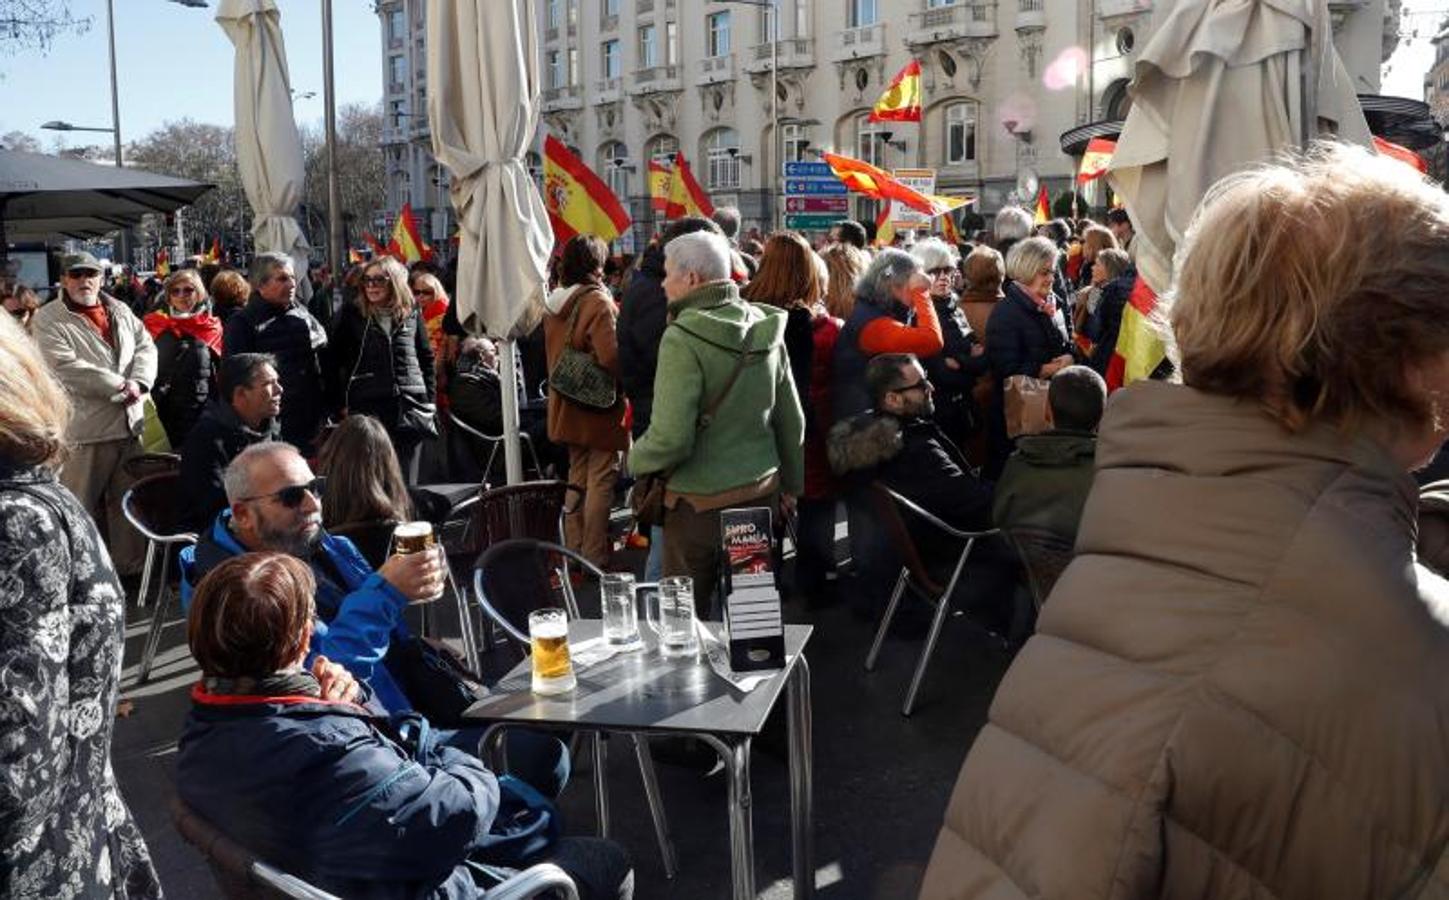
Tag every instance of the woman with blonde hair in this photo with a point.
(384, 360)
(846, 264)
(64, 828)
(1237, 687)
(188, 348)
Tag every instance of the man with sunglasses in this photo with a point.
(105, 358)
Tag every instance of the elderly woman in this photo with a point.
(229, 292)
(1237, 686)
(301, 769)
(727, 428)
(188, 348)
(65, 831)
(1109, 265)
(953, 371)
(893, 314)
(385, 361)
(1108, 303)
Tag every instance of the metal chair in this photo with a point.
(514, 577)
(495, 442)
(915, 576)
(242, 875)
(1045, 554)
(147, 464)
(151, 507)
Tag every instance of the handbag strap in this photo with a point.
(707, 416)
(574, 314)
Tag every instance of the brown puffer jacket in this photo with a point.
(594, 333)
(1240, 687)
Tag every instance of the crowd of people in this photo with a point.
(1231, 691)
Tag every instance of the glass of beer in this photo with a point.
(415, 537)
(621, 617)
(548, 635)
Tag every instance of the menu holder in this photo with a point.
(753, 624)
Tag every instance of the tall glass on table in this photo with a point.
(621, 616)
(670, 614)
(548, 636)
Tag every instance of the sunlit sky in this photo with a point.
(175, 62)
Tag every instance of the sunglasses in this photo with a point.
(422, 292)
(376, 280)
(942, 272)
(182, 290)
(293, 495)
(922, 385)
(83, 273)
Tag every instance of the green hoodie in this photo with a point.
(1046, 481)
(759, 427)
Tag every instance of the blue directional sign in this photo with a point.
(808, 170)
(815, 186)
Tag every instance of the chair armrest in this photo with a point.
(288, 885)
(532, 882)
(931, 517)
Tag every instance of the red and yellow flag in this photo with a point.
(407, 242)
(901, 101)
(213, 253)
(353, 257)
(163, 263)
(686, 197)
(948, 228)
(577, 200)
(864, 178)
(1043, 212)
(1096, 159)
(885, 232)
(1139, 347)
(660, 180)
(1401, 153)
(378, 250)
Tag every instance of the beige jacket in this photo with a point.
(1239, 689)
(93, 371)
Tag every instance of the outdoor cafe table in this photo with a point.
(643, 692)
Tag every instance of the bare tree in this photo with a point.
(359, 173)
(19, 140)
(206, 153)
(34, 24)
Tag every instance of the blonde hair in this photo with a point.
(1095, 239)
(1284, 297)
(190, 275)
(1029, 256)
(433, 284)
(845, 263)
(34, 408)
(400, 296)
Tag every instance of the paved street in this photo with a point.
(881, 781)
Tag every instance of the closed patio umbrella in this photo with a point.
(268, 148)
(483, 111)
(1222, 85)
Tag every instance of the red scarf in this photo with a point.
(203, 326)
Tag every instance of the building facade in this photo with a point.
(626, 81)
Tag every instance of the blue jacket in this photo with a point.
(330, 793)
(357, 620)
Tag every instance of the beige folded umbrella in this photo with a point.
(268, 148)
(1222, 85)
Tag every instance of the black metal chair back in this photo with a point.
(517, 576)
(146, 464)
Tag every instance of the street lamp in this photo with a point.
(774, 7)
(56, 125)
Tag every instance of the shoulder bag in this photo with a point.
(577, 376)
(646, 498)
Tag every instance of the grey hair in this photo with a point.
(934, 253)
(728, 220)
(237, 480)
(1012, 223)
(264, 264)
(1116, 261)
(890, 269)
(702, 252)
(1028, 257)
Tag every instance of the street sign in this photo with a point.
(808, 170)
(817, 187)
(922, 180)
(817, 205)
(812, 221)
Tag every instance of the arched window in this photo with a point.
(960, 133)
(722, 159)
(661, 148)
(613, 158)
(1116, 102)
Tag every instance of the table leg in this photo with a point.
(656, 805)
(801, 787)
(601, 786)
(736, 758)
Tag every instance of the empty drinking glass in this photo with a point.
(671, 615)
(621, 617)
(548, 633)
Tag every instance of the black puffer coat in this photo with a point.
(377, 367)
(299, 344)
(185, 375)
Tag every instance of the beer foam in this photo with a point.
(551, 629)
(413, 529)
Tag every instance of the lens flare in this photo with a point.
(1064, 71)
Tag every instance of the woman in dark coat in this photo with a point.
(65, 831)
(384, 360)
(962, 360)
(188, 347)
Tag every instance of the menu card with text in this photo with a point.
(753, 623)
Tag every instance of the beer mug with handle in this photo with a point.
(548, 636)
(670, 614)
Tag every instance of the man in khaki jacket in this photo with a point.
(103, 355)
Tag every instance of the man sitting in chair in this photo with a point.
(276, 505)
(246, 413)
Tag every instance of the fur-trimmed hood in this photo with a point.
(863, 442)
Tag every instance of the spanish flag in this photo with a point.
(1139, 348)
(378, 250)
(1401, 153)
(885, 232)
(1096, 160)
(864, 178)
(407, 243)
(163, 263)
(948, 228)
(353, 257)
(660, 180)
(1043, 213)
(578, 202)
(686, 197)
(901, 101)
(213, 255)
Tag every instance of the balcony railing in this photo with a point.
(606, 90)
(855, 43)
(948, 23)
(568, 96)
(655, 78)
(793, 53)
(1030, 15)
(644, 7)
(715, 69)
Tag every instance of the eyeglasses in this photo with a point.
(423, 292)
(922, 385)
(941, 272)
(82, 273)
(375, 280)
(292, 495)
(182, 290)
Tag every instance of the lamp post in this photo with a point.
(336, 253)
(779, 166)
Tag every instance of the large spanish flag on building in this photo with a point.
(407, 242)
(1139, 346)
(1096, 159)
(686, 197)
(577, 200)
(864, 178)
(660, 180)
(901, 101)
